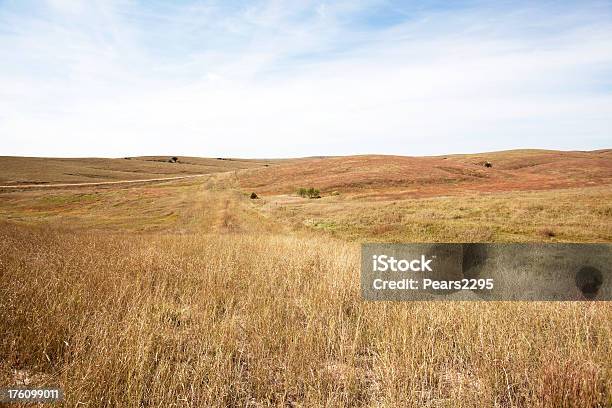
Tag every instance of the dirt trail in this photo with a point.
(223, 207)
(98, 183)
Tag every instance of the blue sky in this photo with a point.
(283, 79)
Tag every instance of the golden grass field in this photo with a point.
(187, 293)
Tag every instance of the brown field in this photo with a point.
(187, 293)
(16, 171)
(396, 177)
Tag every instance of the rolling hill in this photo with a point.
(402, 176)
(187, 292)
(37, 170)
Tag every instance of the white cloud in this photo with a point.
(281, 80)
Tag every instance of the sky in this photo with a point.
(271, 79)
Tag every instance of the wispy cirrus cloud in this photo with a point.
(272, 78)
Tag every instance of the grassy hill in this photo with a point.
(35, 170)
(189, 293)
(527, 195)
(401, 176)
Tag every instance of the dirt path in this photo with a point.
(98, 183)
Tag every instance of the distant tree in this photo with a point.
(254, 196)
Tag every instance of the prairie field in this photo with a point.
(188, 293)
(16, 171)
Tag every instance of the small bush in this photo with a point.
(313, 193)
(254, 196)
(309, 192)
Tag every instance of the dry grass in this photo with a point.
(257, 320)
(569, 215)
(234, 302)
(399, 177)
(36, 170)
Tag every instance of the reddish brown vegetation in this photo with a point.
(400, 176)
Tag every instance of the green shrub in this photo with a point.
(309, 192)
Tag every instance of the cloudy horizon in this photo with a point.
(285, 79)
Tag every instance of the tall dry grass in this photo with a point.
(569, 215)
(257, 319)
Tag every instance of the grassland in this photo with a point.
(568, 215)
(528, 195)
(187, 293)
(15, 171)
